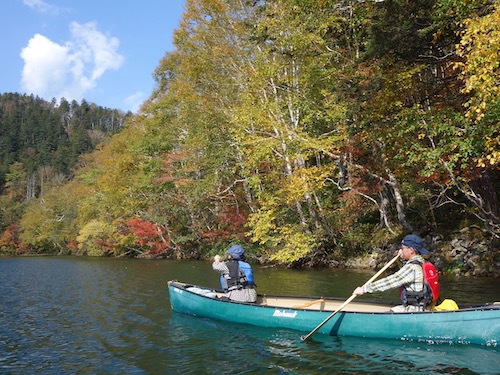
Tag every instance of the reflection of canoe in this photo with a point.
(479, 324)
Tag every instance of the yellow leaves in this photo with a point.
(49, 221)
(490, 160)
(286, 243)
(272, 225)
(294, 245)
(92, 236)
(494, 158)
(492, 153)
(304, 181)
(262, 225)
(480, 49)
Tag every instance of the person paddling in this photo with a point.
(410, 277)
(236, 279)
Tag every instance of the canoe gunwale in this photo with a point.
(470, 307)
(474, 324)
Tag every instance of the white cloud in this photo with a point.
(41, 6)
(134, 101)
(69, 70)
(46, 65)
(94, 46)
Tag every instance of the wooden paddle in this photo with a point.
(349, 300)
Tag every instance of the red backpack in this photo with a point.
(431, 279)
(430, 292)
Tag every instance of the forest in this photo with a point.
(306, 130)
(41, 145)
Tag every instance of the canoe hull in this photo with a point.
(480, 325)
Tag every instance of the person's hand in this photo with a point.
(358, 291)
(401, 255)
(217, 258)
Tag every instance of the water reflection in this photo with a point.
(243, 348)
(89, 316)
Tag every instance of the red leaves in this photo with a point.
(10, 241)
(228, 224)
(149, 236)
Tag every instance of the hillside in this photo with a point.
(41, 143)
(310, 133)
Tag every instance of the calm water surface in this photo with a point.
(112, 316)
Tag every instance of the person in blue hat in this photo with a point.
(236, 278)
(410, 277)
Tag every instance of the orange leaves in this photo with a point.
(228, 225)
(10, 239)
(172, 168)
(150, 237)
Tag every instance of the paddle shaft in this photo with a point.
(349, 300)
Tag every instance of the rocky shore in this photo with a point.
(467, 253)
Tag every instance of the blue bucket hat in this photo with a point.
(236, 252)
(415, 242)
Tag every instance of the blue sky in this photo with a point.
(103, 51)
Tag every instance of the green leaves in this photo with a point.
(298, 125)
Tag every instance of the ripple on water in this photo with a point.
(104, 316)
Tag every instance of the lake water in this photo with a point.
(112, 316)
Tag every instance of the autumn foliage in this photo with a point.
(149, 237)
(228, 226)
(296, 128)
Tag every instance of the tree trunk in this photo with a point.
(384, 208)
(400, 206)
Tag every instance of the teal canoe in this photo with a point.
(475, 324)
